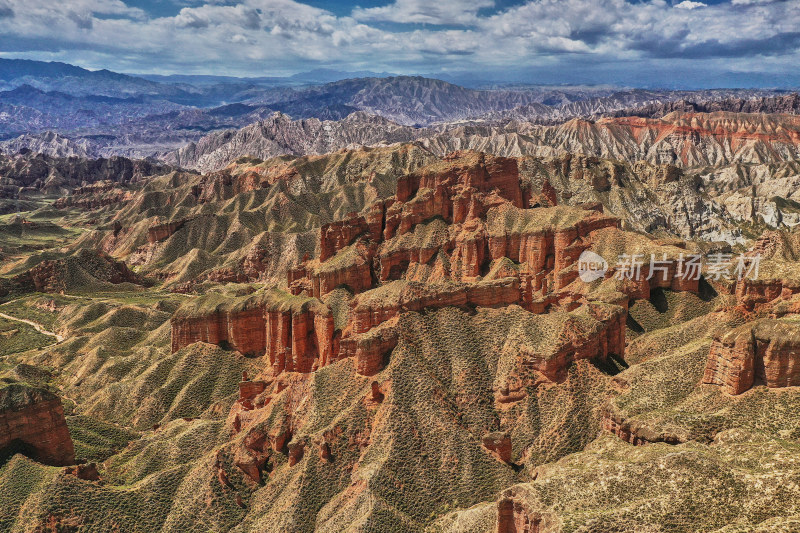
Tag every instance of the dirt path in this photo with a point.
(37, 327)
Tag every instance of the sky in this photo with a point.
(664, 43)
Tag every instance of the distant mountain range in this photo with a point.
(61, 109)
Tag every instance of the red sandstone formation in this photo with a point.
(241, 330)
(499, 444)
(515, 516)
(161, 232)
(86, 472)
(325, 452)
(455, 234)
(253, 454)
(376, 394)
(606, 338)
(460, 190)
(371, 309)
(631, 431)
(542, 248)
(751, 293)
(767, 350)
(370, 348)
(51, 275)
(249, 390)
(296, 452)
(32, 422)
(548, 197)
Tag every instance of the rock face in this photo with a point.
(31, 171)
(515, 516)
(499, 444)
(241, 330)
(32, 423)
(160, 232)
(454, 234)
(767, 351)
(56, 275)
(631, 431)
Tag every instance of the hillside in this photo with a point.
(396, 339)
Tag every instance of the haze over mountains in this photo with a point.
(103, 113)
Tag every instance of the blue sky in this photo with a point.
(673, 43)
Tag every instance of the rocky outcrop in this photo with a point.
(35, 171)
(544, 247)
(73, 272)
(373, 308)
(371, 246)
(351, 268)
(454, 235)
(243, 330)
(632, 431)
(299, 341)
(32, 423)
(499, 444)
(296, 334)
(751, 293)
(160, 232)
(86, 472)
(602, 335)
(514, 515)
(371, 347)
(767, 351)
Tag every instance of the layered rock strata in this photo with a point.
(454, 234)
(32, 423)
(767, 351)
(514, 515)
(633, 432)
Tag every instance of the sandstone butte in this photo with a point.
(456, 233)
(32, 422)
(462, 232)
(515, 516)
(765, 351)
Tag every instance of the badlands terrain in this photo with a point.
(374, 320)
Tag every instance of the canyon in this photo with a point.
(345, 322)
(456, 233)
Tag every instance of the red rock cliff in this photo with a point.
(767, 351)
(32, 422)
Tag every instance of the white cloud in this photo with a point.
(441, 12)
(688, 4)
(284, 36)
